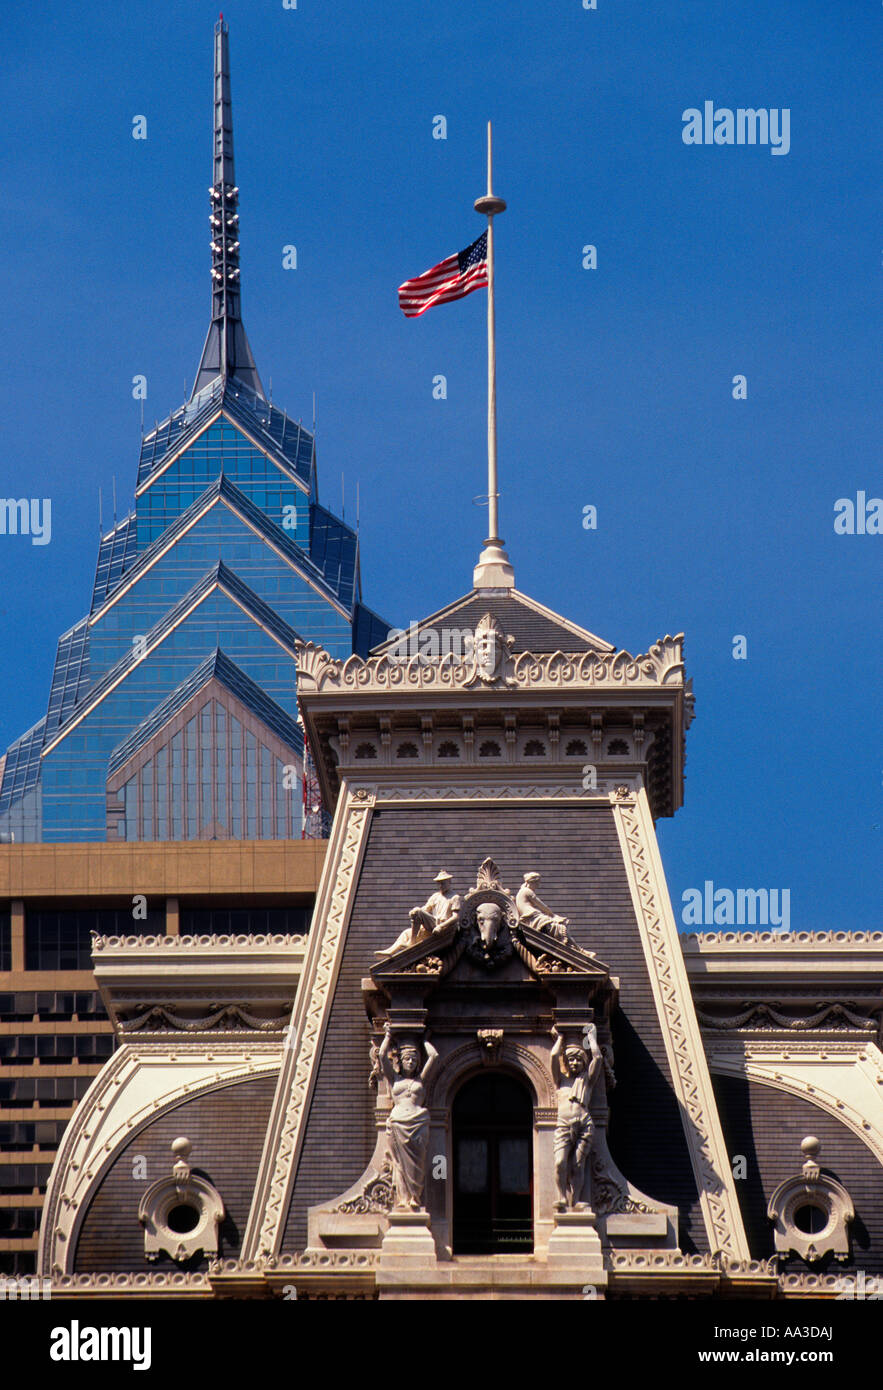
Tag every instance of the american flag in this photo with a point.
(451, 279)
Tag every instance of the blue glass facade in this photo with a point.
(172, 709)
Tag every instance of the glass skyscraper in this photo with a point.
(172, 711)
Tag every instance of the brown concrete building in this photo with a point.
(55, 1033)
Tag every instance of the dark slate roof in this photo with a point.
(226, 1127)
(22, 770)
(237, 682)
(534, 628)
(116, 554)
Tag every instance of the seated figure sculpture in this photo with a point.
(532, 911)
(438, 912)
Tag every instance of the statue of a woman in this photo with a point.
(408, 1123)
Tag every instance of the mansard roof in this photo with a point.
(534, 627)
(215, 667)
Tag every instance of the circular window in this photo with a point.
(810, 1219)
(183, 1219)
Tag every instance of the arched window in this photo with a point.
(492, 1123)
(366, 750)
(576, 748)
(489, 749)
(534, 748)
(407, 750)
(448, 749)
(617, 746)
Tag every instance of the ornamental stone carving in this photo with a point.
(407, 1126)
(487, 918)
(662, 665)
(438, 912)
(577, 1067)
(533, 912)
(376, 1195)
(181, 1213)
(491, 654)
(490, 1041)
(812, 1212)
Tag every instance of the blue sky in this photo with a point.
(715, 516)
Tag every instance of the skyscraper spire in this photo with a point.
(226, 352)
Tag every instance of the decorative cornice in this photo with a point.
(675, 1261)
(178, 1284)
(693, 943)
(240, 942)
(662, 665)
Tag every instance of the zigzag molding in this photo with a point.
(309, 1021)
(680, 1028)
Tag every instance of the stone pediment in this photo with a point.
(438, 957)
(488, 930)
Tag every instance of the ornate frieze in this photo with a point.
(767, 1017)
(224, 1018)
(662, 665)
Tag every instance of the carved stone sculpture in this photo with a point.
(576, 1069)
(491, 652)
(408, 1124)
(533, 912)
(438, 912)
(487, 918)
(812, 1212)
(490, 1041)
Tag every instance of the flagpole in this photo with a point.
(493, 569)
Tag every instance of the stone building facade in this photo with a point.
(491, 1068)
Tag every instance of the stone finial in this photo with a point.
(182, 1148)
(810, 1147)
